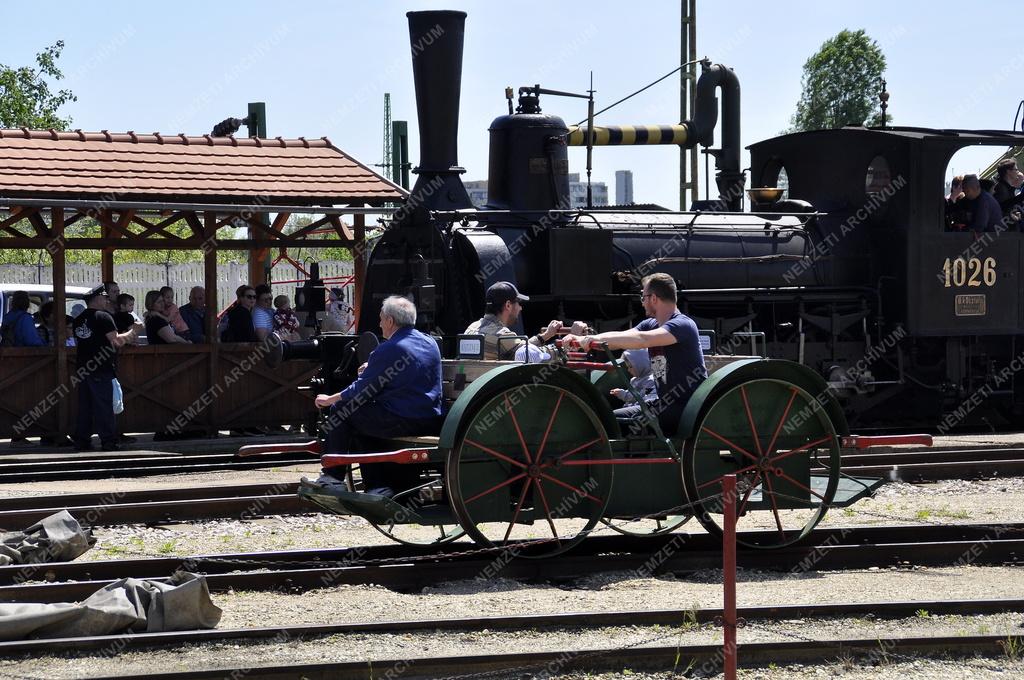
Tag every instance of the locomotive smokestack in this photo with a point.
(436, 38)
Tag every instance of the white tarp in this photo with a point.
(57, 538)
(125, 606)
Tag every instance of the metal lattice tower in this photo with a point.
(386, 162)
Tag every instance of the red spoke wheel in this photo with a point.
(522, 470)
(783, 448)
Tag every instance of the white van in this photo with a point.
(41, 293)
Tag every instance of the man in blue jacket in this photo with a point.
(398, 392)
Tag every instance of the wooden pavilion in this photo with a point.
(136, 186)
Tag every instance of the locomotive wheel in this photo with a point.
(776, 438)
(647, 527)
(520, 472)
(408, 534)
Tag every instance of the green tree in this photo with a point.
(25, 96)
(841, 83)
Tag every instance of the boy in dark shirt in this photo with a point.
(124, 319)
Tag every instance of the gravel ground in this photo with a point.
(383, 646)
(603, 592)
(951, 502)
(944, 502)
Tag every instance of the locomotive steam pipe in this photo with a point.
(700, 130)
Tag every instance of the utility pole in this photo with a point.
(386, 160)
(688, 168)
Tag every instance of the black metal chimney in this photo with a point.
(436, 39)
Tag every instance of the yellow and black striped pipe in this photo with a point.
(629, 135)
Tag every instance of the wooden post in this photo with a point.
(107, 258)
(359, 263)
(212, 307)
(56, 250)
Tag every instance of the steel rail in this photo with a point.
(574, 620)
(168, 512)
(897, 457)
(593, 546)
(670, 657)
(67, 470)
(305, 570)
(935, 472)
(59, 501)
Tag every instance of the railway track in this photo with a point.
(159, 506)
(673, 656)
(943, 464)
(405, 568)
(261, 500)
(134, 464)
(576, 621)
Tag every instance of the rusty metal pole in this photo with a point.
(729, 574)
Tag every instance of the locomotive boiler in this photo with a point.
(841, 263)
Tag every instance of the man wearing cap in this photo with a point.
(502, 309)
(97, 339)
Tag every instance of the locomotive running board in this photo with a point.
(854, 441)
(376, 509)
(850, 489)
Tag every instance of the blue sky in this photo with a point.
(323, 67)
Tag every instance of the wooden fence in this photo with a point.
(166, 387)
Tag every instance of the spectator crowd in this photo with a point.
(252, 317)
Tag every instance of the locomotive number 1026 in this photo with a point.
(961, 271)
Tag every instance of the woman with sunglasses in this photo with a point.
(240, 327)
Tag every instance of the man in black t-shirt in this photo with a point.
(97, 339)
(673, 343)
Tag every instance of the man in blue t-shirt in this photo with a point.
(671, 340)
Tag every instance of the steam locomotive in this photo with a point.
(842, 263)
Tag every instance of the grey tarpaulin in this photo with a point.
(126, 606)
(57, 538)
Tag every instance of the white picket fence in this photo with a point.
(137, 279)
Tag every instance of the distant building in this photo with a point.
(477, 190)
(578, 192)
(623, 187)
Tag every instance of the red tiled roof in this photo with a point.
(155, 167)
